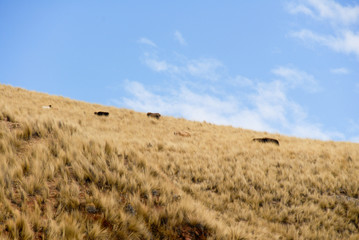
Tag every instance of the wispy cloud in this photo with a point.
(267, 108)
(241, 81)
(161, 66)
(183, 102)
(326, 10)
(295, 78)
(197, 89)
(142, 99)
(347, 42)
(194, 106)
(203, 68)
(343, 19)
(147, 42)
(179, 38)
(341, 71)
(305, 34)
(315, 131)
(295, 8)
(207, 68)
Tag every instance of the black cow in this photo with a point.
(266, 140)
(154, 115)
(102, 113)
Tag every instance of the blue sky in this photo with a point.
(289, 67)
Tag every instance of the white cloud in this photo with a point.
(203, 68)
(255, 104)
(299, 8)
(267, 108)
(273, 106)
(270, 101)
(147, 41)
(295, 78)
(158, 66)
(347, 42)
(306, 130)
(142, 99)
(326, 10)
(341, 71)
(207, 68)
(178, 36)
(345, 39)
(241, 81)
(250, 119)
(182, 102)
(305, 34)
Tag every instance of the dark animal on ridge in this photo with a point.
(102, 113)
(154, 115)
(266, 140)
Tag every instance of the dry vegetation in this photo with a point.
(68, 174)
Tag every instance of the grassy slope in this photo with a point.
(68, 174)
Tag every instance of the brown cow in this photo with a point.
(154, 115)
(182, 133)
(266, 140)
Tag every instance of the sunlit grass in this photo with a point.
(66, 173)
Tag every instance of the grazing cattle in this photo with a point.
(266, 140)
(47, 107)
(182, 133)
(102, 113)
(154, 115)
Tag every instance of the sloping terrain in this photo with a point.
(66, 173)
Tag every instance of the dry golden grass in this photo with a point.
(68, 174)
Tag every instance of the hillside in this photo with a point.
(68, 174)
